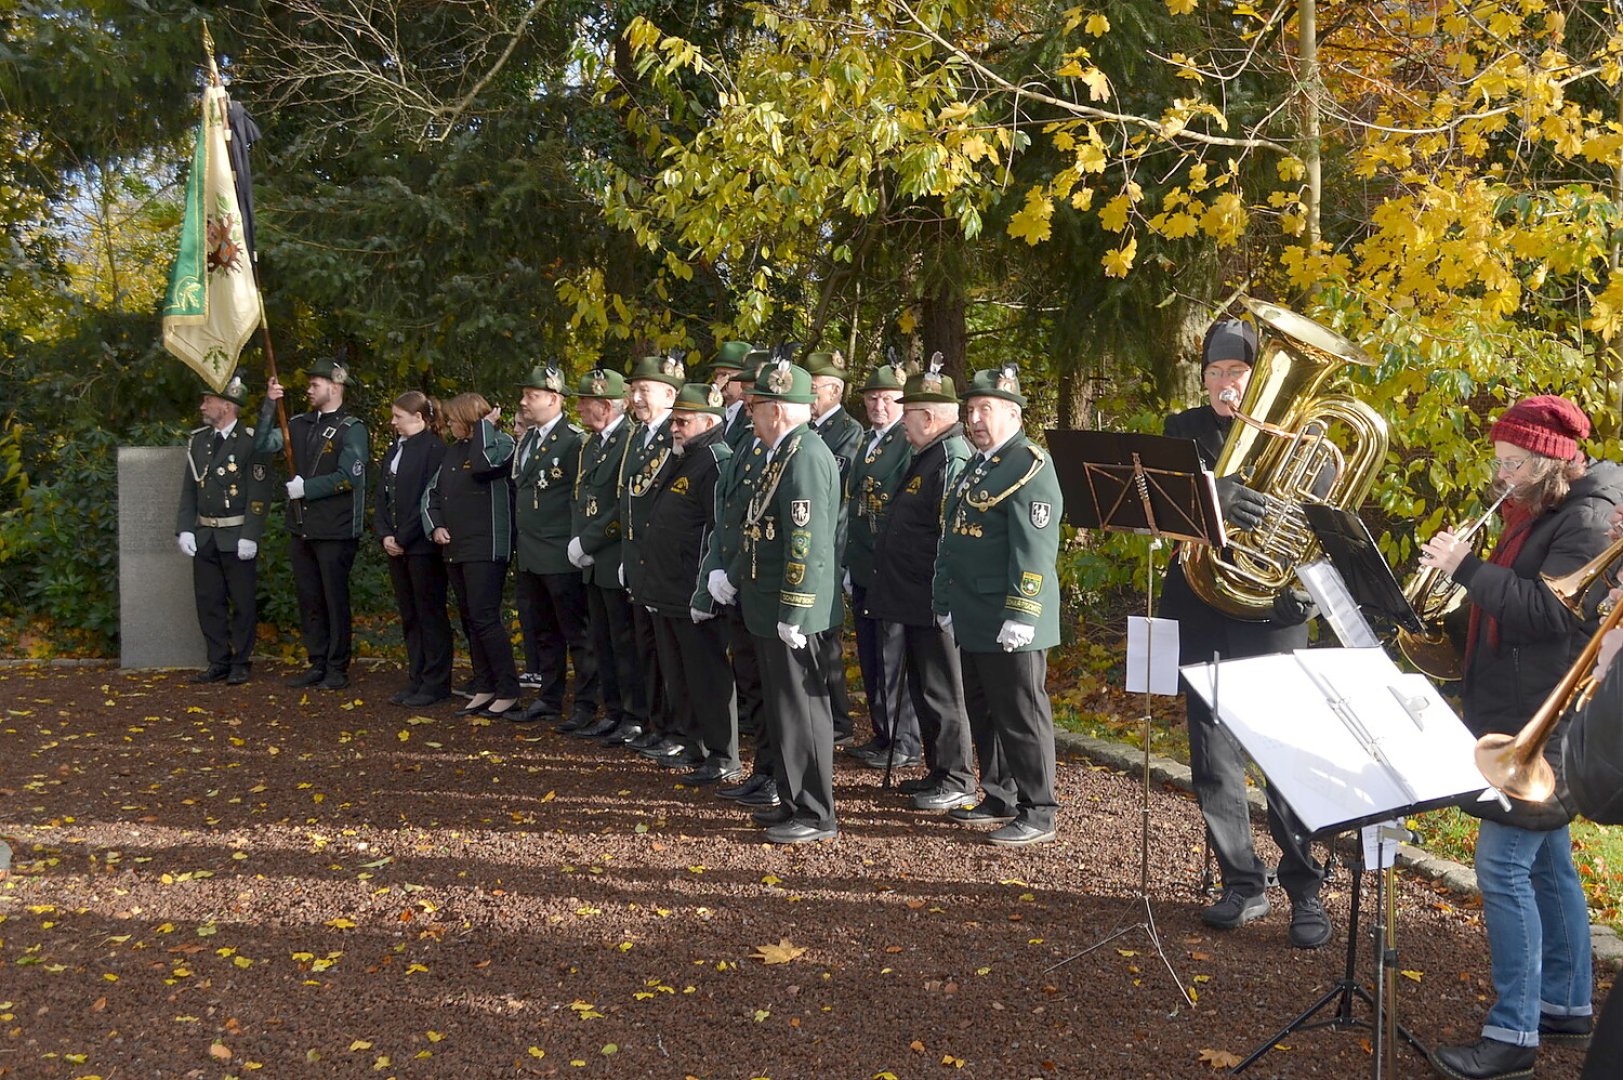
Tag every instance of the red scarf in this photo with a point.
(1518, 524)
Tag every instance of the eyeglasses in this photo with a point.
(1510, 464)
(1237, 372)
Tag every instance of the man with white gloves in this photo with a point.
(996, 591)
(223, 500)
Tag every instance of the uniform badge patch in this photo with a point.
(915, 485)
(256, 508)
(680, 487)
(800, 511)
(357, 468)
(259, 472)
(800, 543)
(1040, 513)
(1030, 584)
(794, 573)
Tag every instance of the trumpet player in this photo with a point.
(1215, 759)
(1520, 641)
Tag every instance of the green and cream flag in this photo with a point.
(212, 308)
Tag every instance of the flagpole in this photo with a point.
(259, 289)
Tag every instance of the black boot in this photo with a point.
(1487, 1059)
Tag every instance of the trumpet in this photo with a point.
(1515, 763)
(1435, 596)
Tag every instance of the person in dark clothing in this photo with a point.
(1520, 641)
(692, 642)
(900, 593)
(842, 434)
(1592, 768)
(468, 511)
(325, 514)
(1215, 760)
(416, 567)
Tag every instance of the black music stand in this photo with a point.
(1351, 549)
(1155, 486)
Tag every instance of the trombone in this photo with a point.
(1515, 763)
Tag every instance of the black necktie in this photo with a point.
(219, 441)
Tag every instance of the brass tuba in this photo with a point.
(1280, 446)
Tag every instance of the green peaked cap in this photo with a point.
(548, 377)
(665, 369)
(1003, 382)
(783, 381)
(600, 383)
(699, 397)
(826, 363)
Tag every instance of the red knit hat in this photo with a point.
(1545, 424)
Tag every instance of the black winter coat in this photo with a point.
(398, 512)
(1539, 639)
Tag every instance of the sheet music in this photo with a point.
(1344, 734)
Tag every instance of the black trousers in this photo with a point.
(802, 727)
(1216, 761)
(419, 594)
(831, 652)
(560, 617)
(699, 685)
(321, 577)
(660, 716)
(1013, 731)
(226, 608)
(746, 670)
(618, 676)
(478, 588)
(932, 679)
(525, 600)
(880, 648)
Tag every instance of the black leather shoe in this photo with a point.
(902, 760)
(1310, 926)
(943, 799)
(624, 733)
(476, 705)
(765, 795)
(513, 711)
(238, 676)
(711, 772)
(335, 680)
(400, 696)
(872, 746)
(575, 723)
(687, 759)
(750, 786)
(772, 815)
(602, 727)
(979, 814)
(798, 832)
(918, 785)
(645, 740)
(212, 673)
(1565, 1030)
(665, 747)
(425, 698)
(537, 712)
(1020, 834)
(1487, 1059)
(1234, 910)
(311, 677)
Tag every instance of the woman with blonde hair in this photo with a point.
(468, 511)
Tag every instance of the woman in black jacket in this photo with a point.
(1520, 641)
(416, 567)
(468, 511)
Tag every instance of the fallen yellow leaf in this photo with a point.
(781, 953)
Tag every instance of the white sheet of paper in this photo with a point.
(1281, 715)
(1378, 853)
(1152, 655)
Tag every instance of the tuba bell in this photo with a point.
(1279, 446)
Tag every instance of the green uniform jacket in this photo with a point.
(875, 476)
(637, 473)
(999, 546)
(544, 496)
(330, 450)
(786, 566)
(596, 512)
(735, 485)
(842, 434)
(739, 431)
(471, 496)
(229, 483)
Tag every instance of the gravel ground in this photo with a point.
(261, 882)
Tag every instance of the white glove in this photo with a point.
(188, 544)
(722, 590)
(295, 488)
(623, 577)
(945, 622)
(1015, 635)
(848, 583)
(701, 616)
(577, 554)
(791, 636)
(246, 549)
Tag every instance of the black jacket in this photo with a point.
(905, 549)
(1539, 639)
(1592, 754)
(681, 513)
(398, 511)
(472, 496)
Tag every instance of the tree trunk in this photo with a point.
(942, 328)
(1307, 48)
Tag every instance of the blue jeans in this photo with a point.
(1538, 929)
